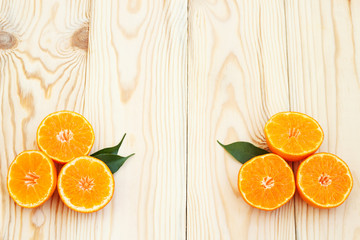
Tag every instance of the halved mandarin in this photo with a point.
(31, 179)
(266, 182)
(65, 135)
(324, 180)
(86, 184)
(292, 135)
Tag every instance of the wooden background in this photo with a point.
(177, 75)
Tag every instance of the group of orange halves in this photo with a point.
(85, 184)
(267, 181)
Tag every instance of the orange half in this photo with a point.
(31, 179)
(292, 135)
(266, 182)
(324, 180)
(65, 135)
(86, 184)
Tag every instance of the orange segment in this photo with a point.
(266, 182)
(324, 180)
(65, 135)
(293, 136)
(86, 184)
(31, 179)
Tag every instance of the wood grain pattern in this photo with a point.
(237, 80)
(39, 74)
(323, 49)
(177, 76)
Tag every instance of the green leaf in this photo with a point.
(110, 150)
(243, 151)
(110, 158)
(113, 161)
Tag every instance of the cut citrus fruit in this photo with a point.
(266, 182)
(85, 184)
(324, 180)
(31, 179)
(65, 135)
(294, 136)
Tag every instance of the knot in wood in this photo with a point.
(80, 38)
(7, 40)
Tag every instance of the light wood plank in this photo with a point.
(136, 83)
(42, 72)
(323, 49)
(237, 80)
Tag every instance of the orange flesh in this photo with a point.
(31, 178)
(324, 180)
(65, 135)
(86, 184)
(266, 182)
(293, 136)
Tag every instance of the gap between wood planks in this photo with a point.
(187, 117)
